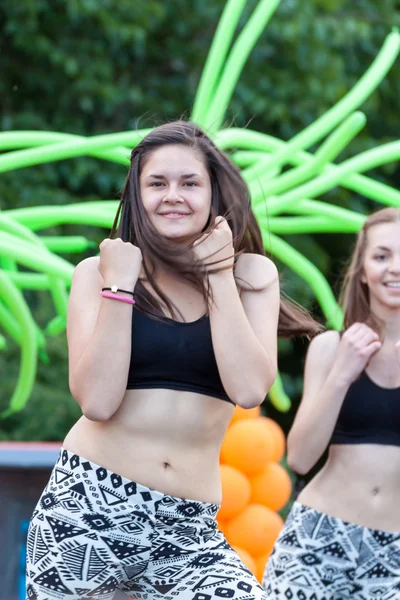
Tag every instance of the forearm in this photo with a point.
(247, 371)
(98, 380)
(311, 433)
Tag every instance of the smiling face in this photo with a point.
(381, 268)
(176, 192)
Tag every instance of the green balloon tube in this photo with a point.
(68, 149)
(321, 184)
(10, 324)
(40, 217)
(236, 60)
(314, 207)
(35, 258)
(67, 244)
(332, 146)
(353, 99)
(316, 224)
(215, 59)
(12, 328)
(56, 325)
(278, 396)
(368, 187)
(57, 287)
(309, 272)
(12, 140)
(26, 379)
(3, 342)
(30, 281)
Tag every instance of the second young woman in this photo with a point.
(342, 538)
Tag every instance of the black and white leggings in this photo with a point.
(94, 532)
(318, 557)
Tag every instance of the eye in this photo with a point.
(190, 183)
(380, 257)
(156, 184)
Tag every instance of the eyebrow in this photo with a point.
(185, 176)
(382, 248)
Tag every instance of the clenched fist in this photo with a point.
(216, 247)
(120, 263)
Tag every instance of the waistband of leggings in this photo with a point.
(165, 504)
(299, 508)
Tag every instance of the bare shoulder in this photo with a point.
(256, 271)
(87, 268)
(323, 348)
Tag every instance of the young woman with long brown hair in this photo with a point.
(172, 326)
(342, 537)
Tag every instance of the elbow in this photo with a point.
(93, 408)
(296, 460)
(93, 413)
(251, 397)
(296, 465)
(247, 402)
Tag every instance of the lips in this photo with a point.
(174, 215)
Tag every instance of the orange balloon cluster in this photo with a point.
(254, 486)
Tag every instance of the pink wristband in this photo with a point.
(115, 297)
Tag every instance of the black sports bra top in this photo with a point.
(173, 355)
(370, 414)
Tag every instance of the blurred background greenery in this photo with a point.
(100, 66)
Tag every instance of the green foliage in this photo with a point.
(97, 66)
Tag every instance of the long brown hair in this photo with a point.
(355, 293)
(229, 198)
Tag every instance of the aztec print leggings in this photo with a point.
(318, 557)
(94, 532)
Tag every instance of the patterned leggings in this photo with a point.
(94, 532)
(318, 557)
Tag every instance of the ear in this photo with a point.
(363, 277)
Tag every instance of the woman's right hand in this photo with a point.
(359, 342)
(120, 263)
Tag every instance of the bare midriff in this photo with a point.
(360, 483)
(163, 439)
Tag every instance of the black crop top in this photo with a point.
(173, 355)
(370, 414)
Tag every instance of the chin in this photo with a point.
(178, 238)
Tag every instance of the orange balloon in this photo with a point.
(247, 446)
(222, 525)
(240, 413)
(236, 492)
(255, 529)
(261, 563)
(247, 559)
(276, 432)
(272, 487)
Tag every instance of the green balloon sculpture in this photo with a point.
(261, 157)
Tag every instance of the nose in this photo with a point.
(172, 195)
(394, 266)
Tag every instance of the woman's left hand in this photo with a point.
(215, 250)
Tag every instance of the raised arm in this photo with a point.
(244, 329)
(99, 329)
(332, 364)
